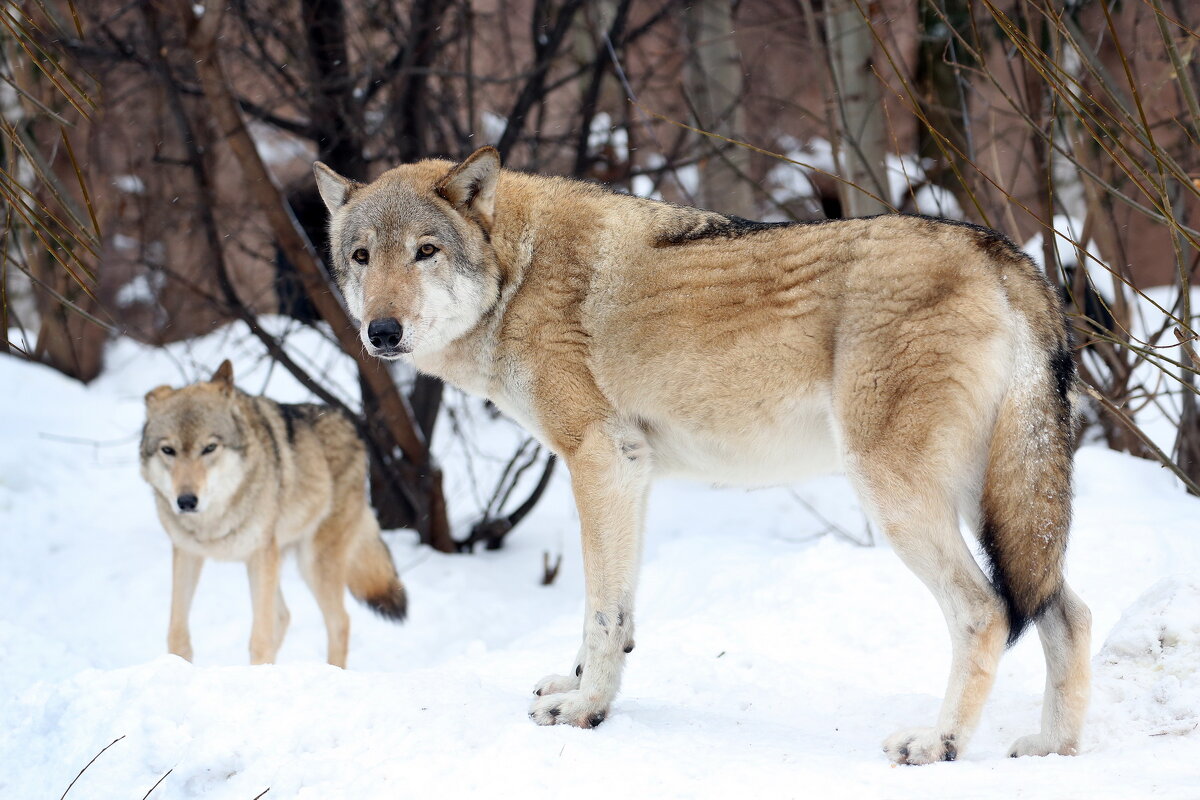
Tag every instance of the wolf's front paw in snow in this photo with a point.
(920, 746)
(570, 708)
(1038, 744)
(556, 684)
(183, 650)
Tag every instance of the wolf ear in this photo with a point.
(157, 395)
(335, 190)
(223, 378)
(471, 186)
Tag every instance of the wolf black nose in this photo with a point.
(385, 334)
(187, 502)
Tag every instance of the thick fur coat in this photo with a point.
(244, 478)
(925, 358)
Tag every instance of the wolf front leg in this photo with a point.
(263, 569)
(185, 574)
(610, 475)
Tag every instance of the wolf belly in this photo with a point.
(795, 446)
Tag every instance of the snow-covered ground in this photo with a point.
(772, 655)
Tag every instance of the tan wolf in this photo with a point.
(243, 478)
(927, 359)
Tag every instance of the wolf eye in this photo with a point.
(361, 255)
(210, 448)
(426, 251)
(168, 451)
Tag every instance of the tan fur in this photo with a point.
(638, 339)
(277, 478)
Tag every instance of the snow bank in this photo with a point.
(1150, 663)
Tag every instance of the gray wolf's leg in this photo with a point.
(610, 474)
(1065, 631)
(283, 619)
(263, 569)
(325, 572)
(185, 574)
(924, 533)
(915, 411)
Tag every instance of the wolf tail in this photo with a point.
(372, 575)
(1026, 501)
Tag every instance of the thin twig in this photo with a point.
(157, 782)
(93, 761)
(549, 570)
(1162, 457)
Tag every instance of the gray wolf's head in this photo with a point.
(192, 443)
(411, 251)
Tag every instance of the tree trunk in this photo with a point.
(66, 341)
(862, 147)
(393, 412)
(942, 94)
(713, 78)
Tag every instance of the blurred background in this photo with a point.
(156, 185)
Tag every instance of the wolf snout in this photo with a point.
(187, 502)
(385, 335)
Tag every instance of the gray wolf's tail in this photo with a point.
(372, 576)
(1026, 503)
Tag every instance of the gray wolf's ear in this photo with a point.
(157, 395)
(223, 378)
(335, 190)
(471, 186)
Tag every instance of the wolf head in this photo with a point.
(412, 251)
(192, 443)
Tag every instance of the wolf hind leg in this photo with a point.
(914, 500)
(928, 541)
(1065, 630)
(283, 618)
(323, 565)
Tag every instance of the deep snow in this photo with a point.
(772, 658)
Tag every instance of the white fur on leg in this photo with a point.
(1065, 631)
(920, 746)
(556, 684)
(1039, 744)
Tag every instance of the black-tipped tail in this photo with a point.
(373, 580)
(392, 604)
(1026, 505)
(1024, 598)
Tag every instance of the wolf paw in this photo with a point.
(184, 651)
(1038, 744)
(920, 746)
(571, 707)
(556, 684)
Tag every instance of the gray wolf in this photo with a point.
(927, 359)
(242, 478)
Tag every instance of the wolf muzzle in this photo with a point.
(187, 502)
(385, 335)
